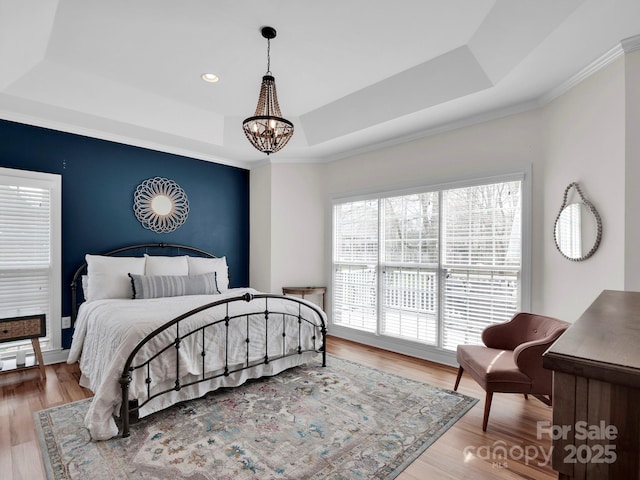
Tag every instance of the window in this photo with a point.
(356, 253)
(410, 267)
(30, 271)
(433, 267)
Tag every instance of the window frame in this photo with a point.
(409, 347)
(52, 182)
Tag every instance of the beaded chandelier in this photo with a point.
(267, 130)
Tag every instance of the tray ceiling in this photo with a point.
(351, 75)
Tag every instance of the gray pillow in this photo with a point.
(157, 286)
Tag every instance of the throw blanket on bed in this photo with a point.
(106, 331)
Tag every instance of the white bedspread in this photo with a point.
(106, 331)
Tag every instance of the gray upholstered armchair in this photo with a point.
(511, 359)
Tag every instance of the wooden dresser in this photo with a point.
(596, 391)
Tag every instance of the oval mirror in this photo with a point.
(578, 228)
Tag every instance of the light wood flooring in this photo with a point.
(464, 451)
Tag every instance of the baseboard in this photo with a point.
(397, 345)
(55, 356)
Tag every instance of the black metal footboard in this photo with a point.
(267, 310)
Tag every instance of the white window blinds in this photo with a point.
(410, 281)
(29, 265)
(449, 263)
(481, 238)
(355, 264)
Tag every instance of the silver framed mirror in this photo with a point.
(578, 227)
(160, 205)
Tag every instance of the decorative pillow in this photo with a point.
(200, 265)
(157, 286)
(158, 265)
(108, 276)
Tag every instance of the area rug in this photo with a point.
(344, 421)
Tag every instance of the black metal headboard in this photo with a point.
(170, 249)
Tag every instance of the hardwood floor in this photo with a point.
(21, 394)
(464, 451)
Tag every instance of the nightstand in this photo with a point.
(302, 291)
(22, 328)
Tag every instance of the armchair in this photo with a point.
(511, 359)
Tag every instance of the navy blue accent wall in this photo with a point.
(98, 181)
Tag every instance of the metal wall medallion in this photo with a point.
(160, 205)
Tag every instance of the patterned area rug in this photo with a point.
(345, 421)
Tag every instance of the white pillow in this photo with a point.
(109, 276)
(157, 265)
(201, 265)
(85, 286)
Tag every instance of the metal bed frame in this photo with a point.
(264, 309)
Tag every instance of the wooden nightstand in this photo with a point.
(22, 328)
(302, 291)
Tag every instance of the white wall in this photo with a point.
(480, 150)
(287, 226)
(298, 227)
(584, 138)
(260, 212)
(632, 173)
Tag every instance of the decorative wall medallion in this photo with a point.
(160, 205)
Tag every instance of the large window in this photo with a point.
(433, 267)
(30, 212)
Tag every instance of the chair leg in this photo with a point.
(546, 400)
(526, 397)
(460, 370)
(487, 407)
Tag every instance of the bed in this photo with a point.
(157, 324)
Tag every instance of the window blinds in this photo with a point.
(449, 263)
(481, 239)
(355, 264)
(410, 252)
(25, 249)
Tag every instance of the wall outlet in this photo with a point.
(66, 322)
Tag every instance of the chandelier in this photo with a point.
(267, 130)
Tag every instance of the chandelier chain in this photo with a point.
(268, 56)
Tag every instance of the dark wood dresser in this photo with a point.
(596, 391)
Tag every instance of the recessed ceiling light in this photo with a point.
(209, 77)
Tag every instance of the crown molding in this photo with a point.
(626, 46)
(260, 163)
(448, 127)
(598, 64)
(631, 44)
